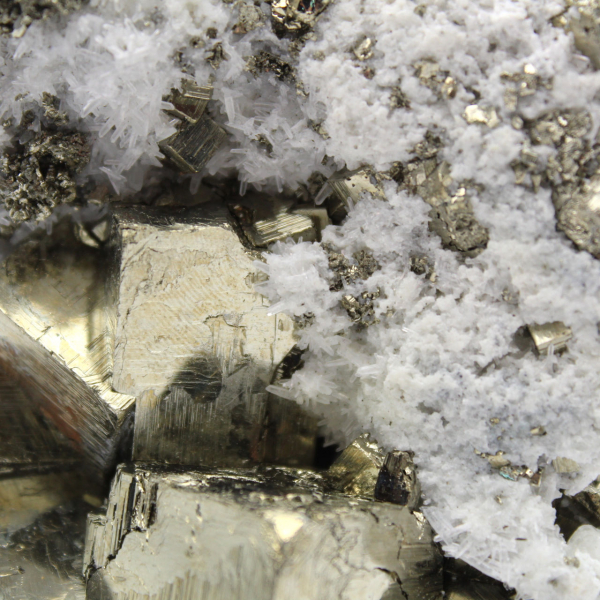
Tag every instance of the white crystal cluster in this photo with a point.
(440, 372)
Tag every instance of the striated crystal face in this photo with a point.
(55, 352)
(193, 340)
(262, 533)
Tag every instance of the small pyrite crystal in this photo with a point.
(198, 136)
(265, 220)
(547, 335)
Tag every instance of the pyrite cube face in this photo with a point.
(194, 342)
(55, 355)
(268, 533)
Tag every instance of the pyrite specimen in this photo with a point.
(193, 340)
(295, 17)
(253, 534)
(54, 348)
(344, 189)
(265, 220)
(198, 136)
(555, 334)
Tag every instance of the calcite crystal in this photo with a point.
(54, 347)
(253, 534)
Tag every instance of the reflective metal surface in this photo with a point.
(263, 533)
(54, 349)
(356, 470)
(547, 335)
(194, 341)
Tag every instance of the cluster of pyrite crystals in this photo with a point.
(141, 453)
(135, 361)
(136, 353)
(135, 349)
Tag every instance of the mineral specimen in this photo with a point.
(54, 345)
(39, 171)
(442, 362)
(175, 532)
(198, 136)
(194, 342)
(17, 15)
(547, 335)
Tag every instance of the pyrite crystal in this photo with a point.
(198, 137)
(193, 341)
(260, 533)
(55, 355)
